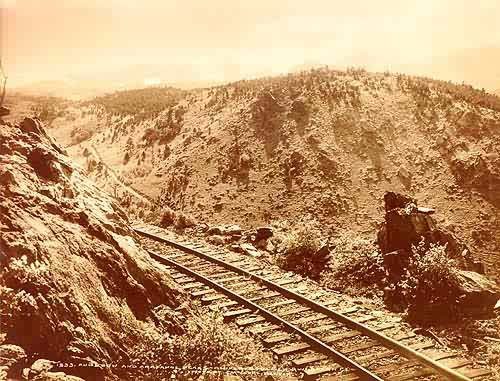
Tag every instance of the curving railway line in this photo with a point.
(315, 331)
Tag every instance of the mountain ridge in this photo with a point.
(323, 142)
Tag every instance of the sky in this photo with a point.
(221, 40)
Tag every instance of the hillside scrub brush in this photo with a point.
(355, 262)
(301, 250)
(432, 283)
(183, 220)
(205, 349)
(168, 217)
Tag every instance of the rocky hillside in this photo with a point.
(75, 287)
(325, 143)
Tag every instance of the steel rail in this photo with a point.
(378, 336)
(322, 347)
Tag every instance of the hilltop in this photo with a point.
(322, 143)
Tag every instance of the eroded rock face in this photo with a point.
(74, 284)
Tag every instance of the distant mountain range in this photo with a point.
(478, 67)
(81, 89)
(86, 86)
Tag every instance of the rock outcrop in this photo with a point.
(263, 233)
(75, 287)
(406, 225)
(4, 111)
(12, 360)
(429, 292)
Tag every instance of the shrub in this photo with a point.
(300, 110)
(355, 262)
(184, 220)
(431, 284)
(300, 250)
(167, 218)
(179, 220)
(266, 110)
(207, 343)
(150, 136)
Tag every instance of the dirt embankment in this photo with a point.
(75, 287)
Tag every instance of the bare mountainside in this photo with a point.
(325, 143)
(75, 286)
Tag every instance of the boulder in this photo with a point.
(423, 210)
(11, 355)
(4, 111)
(263, 232)
(41, 366)
(217, 240)
(234, 230)
(393, 200)
(225, 230)
(469, 295)
(404, 227)
(479, 295)
(214, 230)
(395, 262)
(249, 249)
(264, 244)
(12, 360)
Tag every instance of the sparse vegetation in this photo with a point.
(47, 109)
(356, 265)
(300, 249)
(206, 347)
(432, 91)
(141, 104)
(431, 284)
(333, 138)
(427, 288)
(177, 219)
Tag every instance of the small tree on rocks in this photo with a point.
(3, 78)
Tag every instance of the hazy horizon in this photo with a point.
(111, 40)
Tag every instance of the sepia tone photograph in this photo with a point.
(234, 190)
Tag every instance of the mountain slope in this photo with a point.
(325, 143)
(75, 286)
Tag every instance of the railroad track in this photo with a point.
(313, 330)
